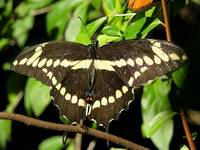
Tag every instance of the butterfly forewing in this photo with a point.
(49, 62)
(111, 75)
(140, 61)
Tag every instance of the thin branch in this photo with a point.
(167, 28)
(41, 11)
(183, 118)
(69, 128)
(187, 131)
(11, 107)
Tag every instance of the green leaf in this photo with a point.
(57, 18)
(180, 75)
(92, 27)
(52, 143)
(74, 25)
(8, 8)
(2, 3)
(4, 42)
(28, 7)
(21, 28)
(6, 66)
(196, 1)
(15, 93)
(158, 121)
(5, 134)
(149, 12)
(37, 97)
(96, 4)
(184, 147)
(104, 39)
(110, 4)
(154, 101)
(150, 27)
(134, 28)
(112, 31)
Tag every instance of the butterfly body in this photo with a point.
(98, 82)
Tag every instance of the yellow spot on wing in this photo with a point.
(84, 64)
(23, 61)
(104, 101)
(103, 65)
(74, 99)
(118, 94)
(160, 53)
(96, 104)
(148, 60)
(174, 56)
(111, 99)
(139, 61)
(15, 62)
(68, 97)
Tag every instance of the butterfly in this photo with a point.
(97, 82)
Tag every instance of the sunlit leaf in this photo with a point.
(134, 28)
(150, 27)
(179, 76)
(158, 121)
(5, 134)
(75, 24)
(110, 4)
(37, 97)
(184, 147)
(105, 39)
(52, 143)
(150, 12)
(8, 8)
(154, 101)
(21, 28)
(4, 42)
(57, 18)
(83, 37)
(111, 31)
(27, 7)
(96, 4)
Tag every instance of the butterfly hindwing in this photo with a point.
(115, 98)
(69, 95)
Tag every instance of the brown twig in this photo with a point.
(166, 20)
(187, 130)
(69, 128)
(41, 11)
(183, 118)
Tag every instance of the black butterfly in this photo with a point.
(97, 82)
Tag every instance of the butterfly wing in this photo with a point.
(49, 62)
(52, 63)
(140, 61)
(111, 97)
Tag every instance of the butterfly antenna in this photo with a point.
(85, 28)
